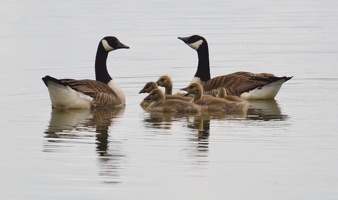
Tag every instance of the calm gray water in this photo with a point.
(285, 149)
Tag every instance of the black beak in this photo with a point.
(120, 45)
(142, 91)
(184, 39)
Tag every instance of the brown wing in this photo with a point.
(105, 100)
(239, 82)
(102, 94)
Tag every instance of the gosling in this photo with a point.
(213, 104)
(166, 82)
(160, 104)
(148, 87)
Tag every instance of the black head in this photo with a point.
(111, 43)
(194, 41)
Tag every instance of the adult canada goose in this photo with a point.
(102, 92)
(214, 104)
(161, 104)
(243, 84)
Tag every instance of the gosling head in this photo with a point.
(150, 86)
(164, 81)
(110, 43)
(155, 95)
(194, 88)
(195, 41)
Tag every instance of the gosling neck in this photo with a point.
(197, 95)
(169, 88)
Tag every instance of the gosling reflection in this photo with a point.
(164, 120)
(76, 125)
(202, 126)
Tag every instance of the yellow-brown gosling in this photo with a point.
(148, 87)
(161, 104)
(166, 82)
(222, 93)
(214, 104)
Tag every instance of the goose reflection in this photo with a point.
(75, 125)
(265, 110)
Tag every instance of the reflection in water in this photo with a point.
(164, 120)
(198, 145)
(67, 125)
(265, 110)
(200, 139)
(259, 110)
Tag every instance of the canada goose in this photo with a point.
(102, 92)
(161, 104)
(243, 84)
(213, 104)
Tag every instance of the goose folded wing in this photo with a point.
(239, 82)
(101, 93)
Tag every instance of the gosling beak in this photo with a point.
(184, 89)
(142, 91)
(147, 98)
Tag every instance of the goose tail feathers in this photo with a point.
(47, 79)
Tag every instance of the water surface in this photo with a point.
(283, 149)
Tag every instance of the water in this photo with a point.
(285, 149)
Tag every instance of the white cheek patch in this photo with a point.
(196, 44)
(106, 46)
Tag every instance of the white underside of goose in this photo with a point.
(114, 86)
(265, 92)
(64, 97)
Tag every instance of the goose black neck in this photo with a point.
(101, 71)
(203, 68)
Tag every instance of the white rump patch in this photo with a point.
(266, 92)
(65, 97)
(106, 46)
(196, 44)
